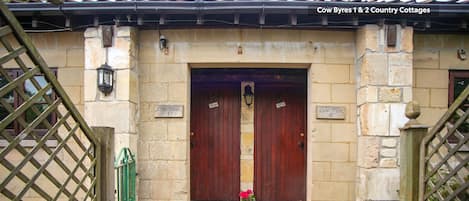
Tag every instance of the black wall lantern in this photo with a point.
(163, 42)
(105, 79)
(248, 95)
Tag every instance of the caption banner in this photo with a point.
(370, 10)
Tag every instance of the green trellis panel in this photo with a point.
(71, 167)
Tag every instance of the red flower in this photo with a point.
(247, 195)
(244, 195)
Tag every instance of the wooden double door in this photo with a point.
(279, 149)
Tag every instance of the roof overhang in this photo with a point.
(267, 14)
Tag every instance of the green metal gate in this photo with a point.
(126, 174)
(47, 151)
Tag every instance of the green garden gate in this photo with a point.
(126, 174)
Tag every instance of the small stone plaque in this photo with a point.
(169, 111)
(330, 112)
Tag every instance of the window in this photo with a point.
(15, 101)
(458, 81)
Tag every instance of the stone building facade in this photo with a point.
(355, 158)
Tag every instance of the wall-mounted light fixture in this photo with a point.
(240, 49)
(462, 54)
(105, 79)
(248, 95)
(164, 44)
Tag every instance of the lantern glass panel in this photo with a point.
(100, 77)
(249, 99)
(107, 78)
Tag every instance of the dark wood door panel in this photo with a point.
(280, 142)
(215, 142)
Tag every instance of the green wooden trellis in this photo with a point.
(68, 170)
(444, 165)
